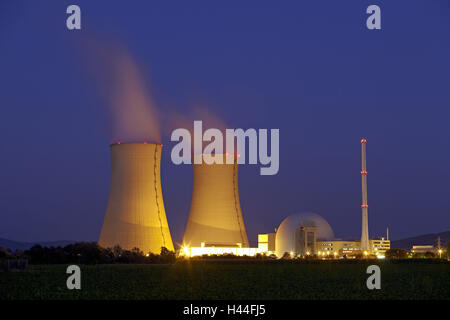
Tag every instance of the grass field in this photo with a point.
(231, 280)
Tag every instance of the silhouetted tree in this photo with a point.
(286, 255)
(92, 253)
(4, 253)
(167, 256)
(117, 251)
(396, 254)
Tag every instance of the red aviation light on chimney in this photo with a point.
(363, 140)
(364, 172)
(364, 206)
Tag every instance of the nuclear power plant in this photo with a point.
(135, 215)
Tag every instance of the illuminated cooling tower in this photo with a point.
(215, 217)
(135, 216)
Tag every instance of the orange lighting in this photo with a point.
(364, 206)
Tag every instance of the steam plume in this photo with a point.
(133, 112)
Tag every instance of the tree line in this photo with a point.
(92, 253)
(88, 253)
(404, 254)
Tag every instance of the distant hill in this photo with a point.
(425, 239)
(16, 245)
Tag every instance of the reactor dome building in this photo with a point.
(298, 233)
(135, 215)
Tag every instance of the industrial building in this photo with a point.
(266, 243)
(308, 234)
(218, 250)
(423, 249)
(339, 248)
(353, 248)
(379, 246)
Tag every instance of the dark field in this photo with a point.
(231, 280)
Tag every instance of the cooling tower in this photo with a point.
(135, 216)
(215, 217)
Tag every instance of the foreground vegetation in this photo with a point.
(232, 279)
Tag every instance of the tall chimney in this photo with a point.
(364, 206)
(135, 216)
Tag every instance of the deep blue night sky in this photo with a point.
(310, 68)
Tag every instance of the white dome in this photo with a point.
(285, 236)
